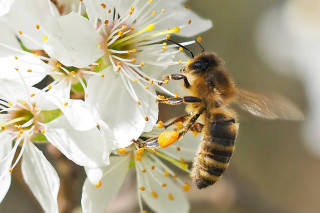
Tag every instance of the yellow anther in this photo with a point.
(20, 32)
(166, 81)
(45, 38)
(142, 188)
(153, 12)
(146, 119)
(58, 65)
(151, 82)
(38, 26)
(16, 57)
(132, 8)
(150, 27)
(118, 69)
(199, 39)
(120, 33)
(153, 167)
(132, 28)
(164, 43)
(154, 194)
(124, 27)
(143, 170)
(179, 124)
(109, 11)
(163, 49)
(160, 125)
(146, 87)
(168, 36)
(3, 128)
(122, 151)
(72, 73)
(10, 170)
(43, 131)
(150, 1)
(24, 102)
(167, 138)
(66, 104)
(189, 61)
(187, 6)
(174, 176)
(182, 160)
(102, 75)
(189, 22)
(103, 5)
(86, 95)
(36, 109)
(139, 103)
(29, 70)
(106, 22)
(36, 54)
(140, 151)
(135, 80)
(10, 104)
(18, 135)
(16, 69)
(164, 185)
(177, 29)
(180, 49)
(138, 157)
(176, 95)
(119, 63)
(180, 61)
(50, 87)
(129, 52)
(186, 187)
(143, 211)
(142, 64)
(162, 11)
(161, 96)
(195, 133)
(130, 13)
(134, 50)
(170, 196)
(98, 185)
(166, 173)
(21, 131)
(53, 69)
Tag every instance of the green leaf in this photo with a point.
(50, 115)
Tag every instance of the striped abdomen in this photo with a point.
(215, 151)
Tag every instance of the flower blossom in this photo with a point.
(157, 185)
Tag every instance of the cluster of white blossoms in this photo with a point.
(98, 64)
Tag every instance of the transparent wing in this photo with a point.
(275, 107)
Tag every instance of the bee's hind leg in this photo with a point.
(151, 143)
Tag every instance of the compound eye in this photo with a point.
(199, 65)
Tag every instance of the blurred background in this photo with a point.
(269, 47)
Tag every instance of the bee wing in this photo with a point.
(268, 107)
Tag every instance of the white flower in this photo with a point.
(26, 116)
(157, 184)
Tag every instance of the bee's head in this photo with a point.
(202, 63)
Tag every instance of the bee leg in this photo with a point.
(151, 143)
(179, 119)
(197, 127)
(192, 122)
(177, 101)
(177, 77)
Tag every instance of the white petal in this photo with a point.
(5, 175)
(78, 115)
(108, 98)
(12, 90)
(31, 68)
(94, 9)
(152, 180)
(25, 15)
(95, 200)
(7, 38)
(72, 40)
(41, 177)
(85, 148)
(5, 6)
(94, 174)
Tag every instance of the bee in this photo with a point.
(211, 90)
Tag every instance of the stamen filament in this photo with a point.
(14, 121)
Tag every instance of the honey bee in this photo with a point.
(211, 90)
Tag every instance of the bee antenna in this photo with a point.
(200, 45)
(182, 47)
